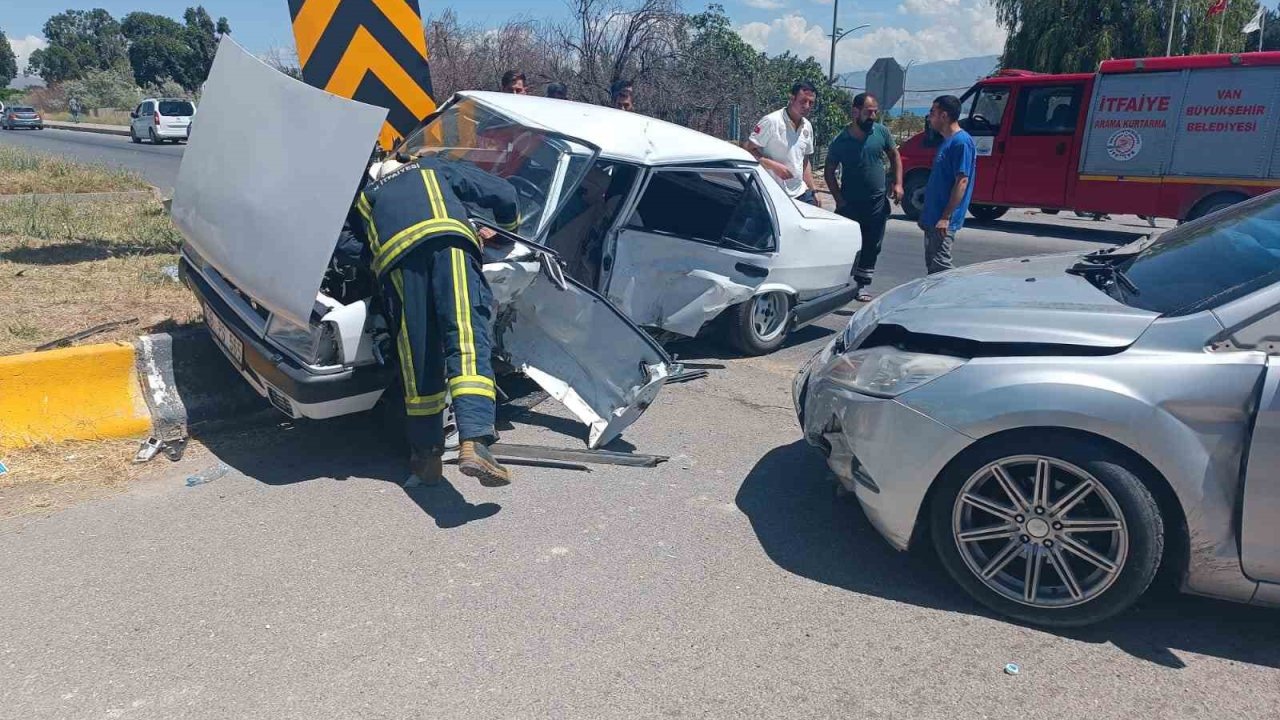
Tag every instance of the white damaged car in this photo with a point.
(626, 221)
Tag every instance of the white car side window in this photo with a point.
(717, 207)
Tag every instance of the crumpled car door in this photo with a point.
(576, 345)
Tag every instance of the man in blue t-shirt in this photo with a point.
(946, 197)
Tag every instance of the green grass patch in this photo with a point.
(24, 171)
(70, 266)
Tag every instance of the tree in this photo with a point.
(201, 36)
(8, 62)
(1058, 36)
(609, 42)
(162, 48)
(79, 41)
(156, 48)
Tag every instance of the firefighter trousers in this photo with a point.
(442, 315)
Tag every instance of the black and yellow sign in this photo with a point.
(373, 51)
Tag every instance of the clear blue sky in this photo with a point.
(923, 30)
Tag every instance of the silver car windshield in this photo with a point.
(1202, 265)
(541, 166)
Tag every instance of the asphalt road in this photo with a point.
(158, 164)
(728, 582)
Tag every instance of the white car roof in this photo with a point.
(620, 135)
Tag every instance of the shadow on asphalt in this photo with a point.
(1059, 231)
(714, 349)
(360, 446)
(806, 530)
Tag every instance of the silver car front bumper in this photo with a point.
(885, 452)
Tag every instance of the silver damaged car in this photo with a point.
(1063, 428)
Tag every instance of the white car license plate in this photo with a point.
(230, 344)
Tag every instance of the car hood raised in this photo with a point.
(1018, 300)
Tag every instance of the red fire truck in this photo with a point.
(1174, 137)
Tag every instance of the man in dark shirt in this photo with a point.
(859, 152)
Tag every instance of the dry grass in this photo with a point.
(66, 267)
(102, 117)
(23, 171)
(47, 478)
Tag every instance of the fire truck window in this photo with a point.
(1047, 110)
(987, 111)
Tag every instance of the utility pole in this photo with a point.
(835, 38)
(902, 109)
(1173, 20)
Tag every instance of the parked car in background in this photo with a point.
(162, 119)
(1062, 427)
(21, 116)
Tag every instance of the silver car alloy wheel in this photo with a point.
(1040, 531)
(768, 315)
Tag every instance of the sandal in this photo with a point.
(862, 296)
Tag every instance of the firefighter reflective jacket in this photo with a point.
(427, 199)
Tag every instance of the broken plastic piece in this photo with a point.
(3, 469)
(208, 476)
(1012, 669)
(149, 448)
(153, 445)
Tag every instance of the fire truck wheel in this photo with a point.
(987, 213)
(1213, 204)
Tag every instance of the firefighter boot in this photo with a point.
(475, 460)
(427, 469)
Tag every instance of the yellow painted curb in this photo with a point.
(80, 393)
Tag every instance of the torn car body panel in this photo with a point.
(577, 346)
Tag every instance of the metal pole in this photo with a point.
(835, 16)
(1262, 28)
(1173, 20)
(902, 108)
(1221, 21)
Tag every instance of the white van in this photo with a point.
(161, 119)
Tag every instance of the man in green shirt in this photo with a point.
(859, 152)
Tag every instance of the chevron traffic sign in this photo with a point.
(373, 51)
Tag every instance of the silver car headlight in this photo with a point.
(887, 371)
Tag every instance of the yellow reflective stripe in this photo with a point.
(426, 405)
(405, 239)
(462, 310)
(472, 385)
(434, 195)
(403, 347)
(366, 211)
(482, 392)
(465, 379)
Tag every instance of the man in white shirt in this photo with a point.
(783, 143)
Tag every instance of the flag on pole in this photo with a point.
(1218, 7)
(1255, 24)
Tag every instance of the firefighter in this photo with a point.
(426, 255)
